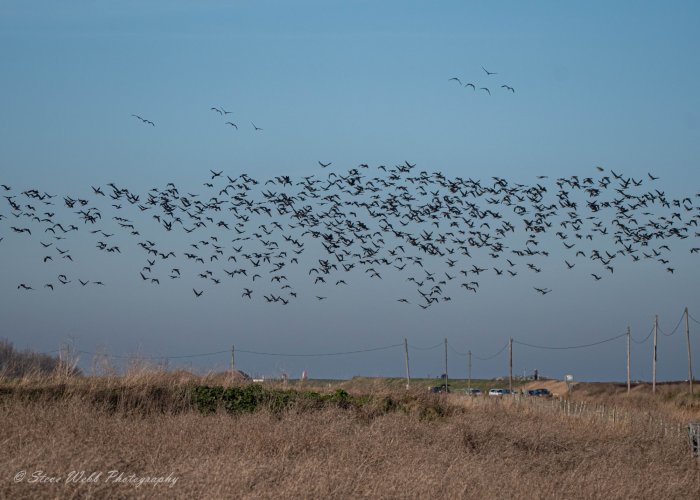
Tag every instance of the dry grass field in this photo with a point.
(146, 427)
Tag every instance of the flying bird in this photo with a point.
(143, 120)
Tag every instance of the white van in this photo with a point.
(499, 392)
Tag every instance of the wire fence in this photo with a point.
(650, 423)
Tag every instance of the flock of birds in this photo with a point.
(439, 235)
(223, 113)
(485, 89)
(220, 110)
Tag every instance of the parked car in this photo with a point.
(440, 388)
(473, 392)
(539, 392)
(499, 392)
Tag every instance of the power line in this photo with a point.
(456, 351)
(491, 357)
(425, 348)
(321, 354)
(182, 356)
(674, 330)
(258, 353)
(691, 317)
(374, 349)
(573, 346)
(645, 338)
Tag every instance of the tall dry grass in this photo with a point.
(490, 449)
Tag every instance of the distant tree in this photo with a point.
(16, 364)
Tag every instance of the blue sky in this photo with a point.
(600, 83)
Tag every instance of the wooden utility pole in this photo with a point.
(653, 367)
(629, 380)
(446, 377)
(469, 368)
(233, 358)
(510, 364)
(687, 339)
(408, 370)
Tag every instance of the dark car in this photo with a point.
(441, 388)
(539, 392)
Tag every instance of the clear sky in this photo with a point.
(612, 84)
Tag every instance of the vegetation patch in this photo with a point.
(253, 397)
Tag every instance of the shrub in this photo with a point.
(18, 364)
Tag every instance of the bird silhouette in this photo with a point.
(144, 120)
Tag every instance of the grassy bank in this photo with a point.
(224, 438)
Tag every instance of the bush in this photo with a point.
(250, 398)
(18, 364)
